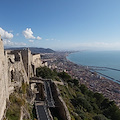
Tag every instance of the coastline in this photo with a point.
(92, 80)
(97, 69)
(105, 81)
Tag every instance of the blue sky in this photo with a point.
(61, 24)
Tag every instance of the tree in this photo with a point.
(81, 101)
(106, 103)
(99, 98)
(83, 89)
(64, 76)
(100, 117)
(45, 72)
(76, 82)
(112, 112)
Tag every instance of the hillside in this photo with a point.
(41, 50)
(82, 103)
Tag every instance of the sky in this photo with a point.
(61, 24)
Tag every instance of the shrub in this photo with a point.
(13, 112)
(81, 101)
(64, 76)
(100, 117)
(55, 118)
(45, 72)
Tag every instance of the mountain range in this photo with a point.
(34, 50)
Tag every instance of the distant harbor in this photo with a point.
(96, 69)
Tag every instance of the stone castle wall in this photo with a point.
(16, 66)
(27, 61)
(62, 109)
(36, 62)
(3, 80)
(17, 71)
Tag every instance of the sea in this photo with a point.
(106, 63)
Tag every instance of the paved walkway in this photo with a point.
(42, 112)
(40, 106)
(49, 96)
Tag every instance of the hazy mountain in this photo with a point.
(34, 49)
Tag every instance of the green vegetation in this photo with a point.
(64, 76)
(84, 104)
(13, 112)
(55, 118)
(47, 73)
(18, 100)
(24, 88)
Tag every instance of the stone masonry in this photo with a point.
(3, 79)
(16, 66)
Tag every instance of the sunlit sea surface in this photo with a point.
(105, 59)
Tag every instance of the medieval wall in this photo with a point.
(3, 80)
(62, 109)
(27, 59)
(16, 66)
(36, 62)
(16, 71)
(12, 74)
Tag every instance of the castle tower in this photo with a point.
(26, 57)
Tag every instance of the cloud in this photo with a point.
(38, 38)
(5, 34)
(100, 44)
(96, 45)
(28, 34)
(52, 39)
(10, 43)
(31, 41)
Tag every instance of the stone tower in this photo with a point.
(26, 57)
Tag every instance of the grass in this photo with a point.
(17, 100)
